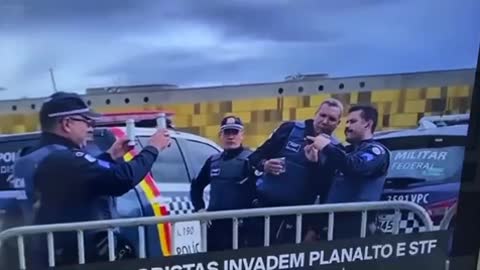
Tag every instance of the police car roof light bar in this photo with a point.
(443, 120)
(141, 119)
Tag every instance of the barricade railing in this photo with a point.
(446, 221)
(110, 225)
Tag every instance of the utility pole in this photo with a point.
(52, 77)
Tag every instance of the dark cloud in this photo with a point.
(259, 21)
(305, 20)
(58, 11)
(195, 42)
(186, 68)
(106, 16)
(276, 20)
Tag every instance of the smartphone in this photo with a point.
(130, 124)
(309, 130)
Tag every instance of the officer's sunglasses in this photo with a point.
(89, 123)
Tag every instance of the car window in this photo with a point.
(170, 166)
(198, 153)
(424, 160)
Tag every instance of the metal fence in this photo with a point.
(447, 220)
(110, 225)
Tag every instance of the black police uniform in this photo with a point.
(232, 187)
(70, 185)
(361, 171)
(300, 184)
(18, 211)
(303, 180)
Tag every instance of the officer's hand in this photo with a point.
(320, 141)
(160, 139)
(119, 148)
(273, 166)
(311, 153)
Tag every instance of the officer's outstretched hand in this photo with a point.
(311, 153)
(119, 148)
(320, 141)
(160, 139)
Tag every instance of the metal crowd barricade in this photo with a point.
(364, 207)
(445, 224)
(448, 218)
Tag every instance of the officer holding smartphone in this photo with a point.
(66, 184)
(360, 169)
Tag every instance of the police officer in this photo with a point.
(361, 168)
(66, 184)
(232, 183)
(289, 178)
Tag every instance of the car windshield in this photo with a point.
(426, 160)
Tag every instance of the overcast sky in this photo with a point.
(109, 42)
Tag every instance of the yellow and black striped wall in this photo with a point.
(398, 108)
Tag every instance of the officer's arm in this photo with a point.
(114, 179)
(271, 146)
(361, 163)
(106, 156)
(199, 184)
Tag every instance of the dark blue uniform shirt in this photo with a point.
(369, 158)
(361, 171)
(72, 185)
(320, 174)
(204, 179)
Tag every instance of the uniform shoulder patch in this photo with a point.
(89, 158)
(104, 164)
(377, 150)
(367, 156)
(86, 156)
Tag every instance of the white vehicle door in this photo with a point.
(172, 178)
(195, 153)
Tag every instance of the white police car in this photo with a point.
(426, 168)
(165, 191)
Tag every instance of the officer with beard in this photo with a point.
(361, 169)
(232, 184)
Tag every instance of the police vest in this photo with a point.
(230, 186)
(354, 188)
(294, 186)
(23, 179)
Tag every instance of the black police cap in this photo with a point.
(63, 104)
